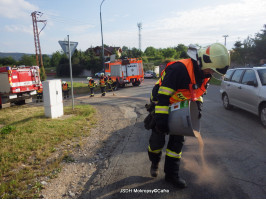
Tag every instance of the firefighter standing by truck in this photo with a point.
(92, 85)
(65, 89)
(102, 84)
(110, 84)
(39, 94)
(181, 80)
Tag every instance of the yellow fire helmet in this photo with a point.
(215, 57)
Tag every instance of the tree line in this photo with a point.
(248, 52)
(251, 51)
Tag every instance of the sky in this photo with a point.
(165, 23)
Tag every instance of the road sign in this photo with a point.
(64, 46)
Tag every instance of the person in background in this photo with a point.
(92, 85)
(110, 84)
(65, 89)
(39, 94)
(102, 84)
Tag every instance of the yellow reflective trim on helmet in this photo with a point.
(166, 91)
(173, 154)
(162, 109)
(154, 151)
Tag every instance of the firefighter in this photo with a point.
(102, 84)
(181, 80)
(110, 84)
(92, 85)
(65, 89)
(39, 95)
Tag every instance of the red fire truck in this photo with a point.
(125, 71)
(18, 84)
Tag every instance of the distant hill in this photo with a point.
(16, 56)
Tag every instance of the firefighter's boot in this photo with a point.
(154, 169)
(176, 181)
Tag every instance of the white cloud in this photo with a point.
(19, 29)
(14, 9)
(208, 24)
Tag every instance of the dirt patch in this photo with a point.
(92, 155)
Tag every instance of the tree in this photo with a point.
(28, 60)
(260, 44)
(150, 51)
(7, 61)
(55, 59)
(46, 61)
(168, 52)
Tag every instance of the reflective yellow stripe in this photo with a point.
(173, 154)
(166, 91)
(162, 109)
(154, 151)
(200, 99)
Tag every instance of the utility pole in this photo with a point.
(36, 34)
(140, 27)
(225, 36)
(102, 33)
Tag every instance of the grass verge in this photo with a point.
(81, 88)
(27, 139)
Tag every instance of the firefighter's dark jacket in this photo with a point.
(176, 77)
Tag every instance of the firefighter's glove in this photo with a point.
(161, 123)
(150, 107)
(199, 104)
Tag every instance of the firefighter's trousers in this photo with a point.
(92, 91)
(173, 151)
(110, 87)
(103, 90)
(66, 93)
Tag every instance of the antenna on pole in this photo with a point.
(35, 15)
(225, 36)
(140, 27)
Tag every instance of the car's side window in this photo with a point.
(249, 76)
(228, 75)
(237, 75)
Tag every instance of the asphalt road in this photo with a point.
(233, 165)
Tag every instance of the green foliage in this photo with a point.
(7, 61)
(6, 130)
(46, 61)
(250, 51)
(28, 60)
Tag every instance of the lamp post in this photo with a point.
(225, 36)
(102, 32)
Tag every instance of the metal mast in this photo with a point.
(225, 36)
(36, 34)
(140, 27)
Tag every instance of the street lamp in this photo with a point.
(225, 36)
(102, 32)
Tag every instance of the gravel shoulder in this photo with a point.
(95, 153)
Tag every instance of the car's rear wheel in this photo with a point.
(226, 102)
(263, 115)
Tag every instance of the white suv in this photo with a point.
(245, 88)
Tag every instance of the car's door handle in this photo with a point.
(239, 87)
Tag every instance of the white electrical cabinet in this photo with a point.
(52, 97)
